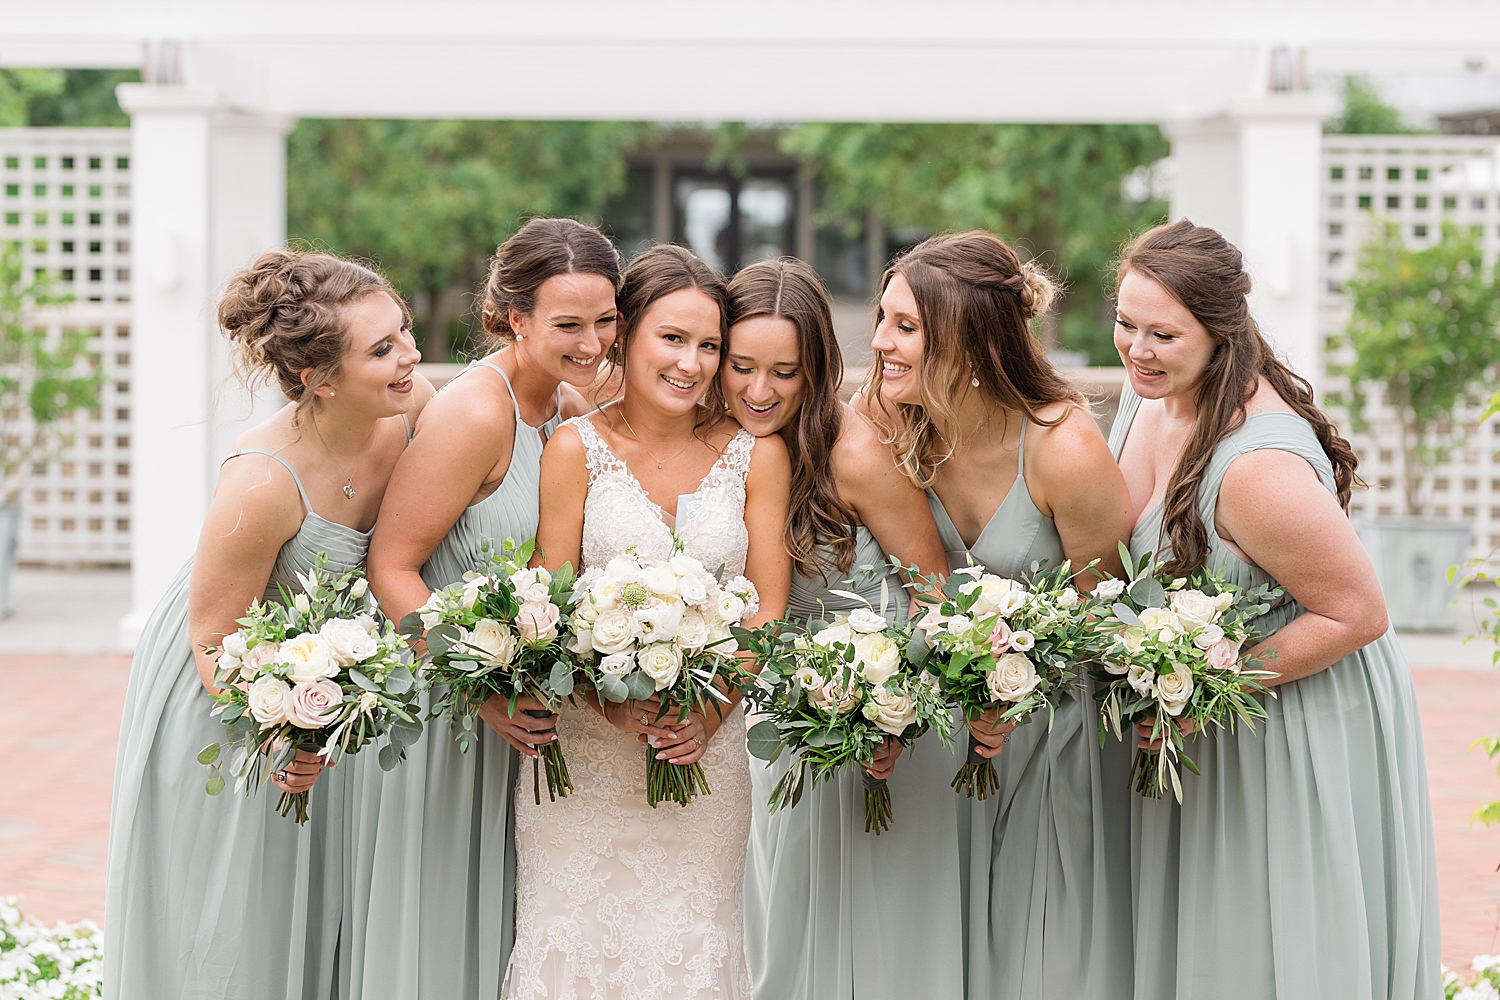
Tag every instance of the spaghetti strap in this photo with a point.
(407, 424)
(1021, 451)
(508, 388)
(306, 503)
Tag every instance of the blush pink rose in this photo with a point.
(537, 620)
(1000, 637)
(314, 704)
(1224, 655)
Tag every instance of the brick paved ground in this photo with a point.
(60, 717)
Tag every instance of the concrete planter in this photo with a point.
(10, 537)
(1411, 557)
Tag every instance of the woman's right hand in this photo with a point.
(990, 733)
(301, 774)
(522, 731)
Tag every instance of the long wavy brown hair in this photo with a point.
(1206, 273)
(819, 532)
(976, 300)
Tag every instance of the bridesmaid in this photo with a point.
(1301, 861)
(434, 882)
(223, 897)
(831, 910)
(1016, 472)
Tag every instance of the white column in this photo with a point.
(1253, 174)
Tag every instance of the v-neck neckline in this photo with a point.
(1020, 480)
(661, 511)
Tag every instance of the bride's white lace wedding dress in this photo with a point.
(614, 898)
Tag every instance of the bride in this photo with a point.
(615, 898)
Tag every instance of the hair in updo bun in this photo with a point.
(976, 300)
(540, 250)
(284, 314)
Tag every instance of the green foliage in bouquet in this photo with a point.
(316, 672)
(501, 632)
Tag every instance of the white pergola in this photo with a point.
(227, 79)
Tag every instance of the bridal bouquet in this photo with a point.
(501, 632)
(995, 643)
(644, 628)
(1169, 652)
(314, 672)
(833, 696)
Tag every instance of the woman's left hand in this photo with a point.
(1144, 729)
(688, 741)
(884, 764)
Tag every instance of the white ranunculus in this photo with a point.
(1142, 679)
(1013, 678)
(658, 621)
(613, 631)
(1174, 689)
(494, 639)
(309, 657)
(234, 645)
(1022, 641)
(1207, 636)
(834, 633)
(660, 580)
(692, 631)
(685, 565)
(729, 608)
(348, 641)
(1194, 607)
(268, 700)
(617, 664)
(661, 661)
(959, 625)
(865, 620)
(692, 589)
(806, 677)
(878, 657)
(1161, 621)
(893, 712)
(1108, 590)
(1067, 598)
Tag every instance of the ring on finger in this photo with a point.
(281, 775)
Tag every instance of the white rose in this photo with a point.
(1068, 598)
(613, 631)
(730, 608)
(807, 678)
(493, 639)
(583, 642)
(1162, 621)
(721, 640)
(833, 697)
(692, 590)
(692, 631)
(1022, 641)
(878, 656)
(1013, 678)
(227, 664)
(834, 633)
(1194, 607)
(932, 623)
(958, 625)
(309, 657)
(268, 700)
(348, 641)
(865, 620)
(660, 580)
(1174, 689)
(992, 590)
(658, 621)
(604, 595)
(1108, 590)
(368, 623)
(1142, 679)
(1133, 639)
(661, 662)
(532, 585)
(234, 645)
(617, 664)
(1208, 635)
(620, 568)
(893, 712)
(1224, 601)
(685, 566)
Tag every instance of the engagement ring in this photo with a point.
(280, 775)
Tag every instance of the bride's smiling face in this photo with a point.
(674, 351)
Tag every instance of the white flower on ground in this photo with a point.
(309, 657)
(661, 662)
(1108, 590)
(268, 700)
(1194, 607)
(348, 641)
(1013, 678)
(893, 712)
(613, 631)
(314, 705)
(494, 640)
(864, 620)
(1174, 689)
(878, 656)
(1142, 679)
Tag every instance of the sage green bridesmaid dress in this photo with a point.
(218, 897)
(1047, 862)
(1301, 863)
(432, 882)
(835, 912)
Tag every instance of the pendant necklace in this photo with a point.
(349, 490)
(659, 462)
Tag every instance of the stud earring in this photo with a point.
(974, 381)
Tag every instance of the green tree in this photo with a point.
(86, 97)
(1055, 190)
(20, 87)
(430, 200)
(1365, 112)
(1423, 334)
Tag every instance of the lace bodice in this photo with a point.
(617, 513)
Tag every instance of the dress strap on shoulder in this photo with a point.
(737, 455)
(406, 424)
(1021, 450)
(508, 388)
(306, 503)
(598, 455)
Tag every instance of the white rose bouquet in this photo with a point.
(501, 631)
(995, 643)
(1167, 652)
(832, 694)
(643, 628)
(316, 671)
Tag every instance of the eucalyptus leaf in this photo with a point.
(823, 738)
(238, 760)
(411, 626)
(1123, 612)
(399, 681)
(214, 785)
(917, 649)
(640, 685)
(442, 638)
(611, 688)
(389, 756)
(363, 681)
(405, 733)
(764, 740)
(209, 754)
(561, 679)
(1148, 592)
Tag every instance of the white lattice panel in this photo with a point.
(67, 199)
(1417, 182)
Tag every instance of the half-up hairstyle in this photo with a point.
(1206, 273)
(541, 249)
(976, 300)
(654, 274)
(285, 313)
(819, 532)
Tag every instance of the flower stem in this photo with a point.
(878, 814)
(977, 777)
(293, 800)
(1145, 773)
(677, 783)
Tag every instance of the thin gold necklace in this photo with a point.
(659, 462)
(349, 490)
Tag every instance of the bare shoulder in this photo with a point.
(572, 403)
(470, 401)
(1266, 400)
(768, 456)
(565, 444)
(258, 493)
(859, 454)
(1259, 476)
(423, 393)
(1076, 432)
